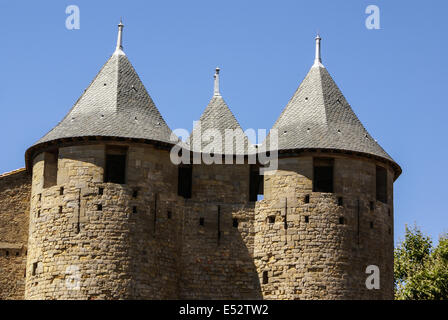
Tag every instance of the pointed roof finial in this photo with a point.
(318, 59)
(216, 90)
(119, 48)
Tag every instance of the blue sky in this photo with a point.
(395, 78)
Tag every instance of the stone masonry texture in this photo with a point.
(87, 239)
(15, 190)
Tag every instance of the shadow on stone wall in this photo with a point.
(217, 257)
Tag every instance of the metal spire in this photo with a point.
(119, 48)
(318, 59)
(216, 90)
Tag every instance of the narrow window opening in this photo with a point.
(256, 184)
(271, 219)
(371, 224)
(235, 222)
(99, 207)
(134, 209)
(340, 201)
(388, 212)
(101, 191)
(60, 209)
(7, 253)
(307, 198)
(38, 213)
(17, 253)
(185, 181)
(341, 220)
(135, 193)
(34, 268)
(219, 224)
(50, 168)
(39, 197)
(169, 214)
(61, 191)
(265, 277)
(201, 221)
(323, 175)
(372, 205)
(390, 230)
(115, 165)
(307, 219)
(381, 184)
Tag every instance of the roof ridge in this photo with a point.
(10, 173)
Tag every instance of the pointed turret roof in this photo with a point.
(319, 117)
(217, 116)
(116, 104)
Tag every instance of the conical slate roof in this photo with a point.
(218, 118)
(116, 104)
(319, 117)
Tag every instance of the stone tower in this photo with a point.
(327, 212)
(113, 217)
(99, 178)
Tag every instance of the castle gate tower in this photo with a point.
(327, 212)
(104, 215)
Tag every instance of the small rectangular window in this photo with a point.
(340, 201)
(265, 277)
(50, 168)
(185, 181)
(34, 268)
(307, 198)
(115, 171)
(256, 184)
(201, 221)
(381, 184)
(307, 219)
(323, 175)
(235, 222)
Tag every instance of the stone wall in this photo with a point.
(15, 190)
(217, 256)
(94, 240)
(320, 248)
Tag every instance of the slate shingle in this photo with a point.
(319, 117)
(116, 104)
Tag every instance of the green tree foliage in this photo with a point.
(420, 270)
